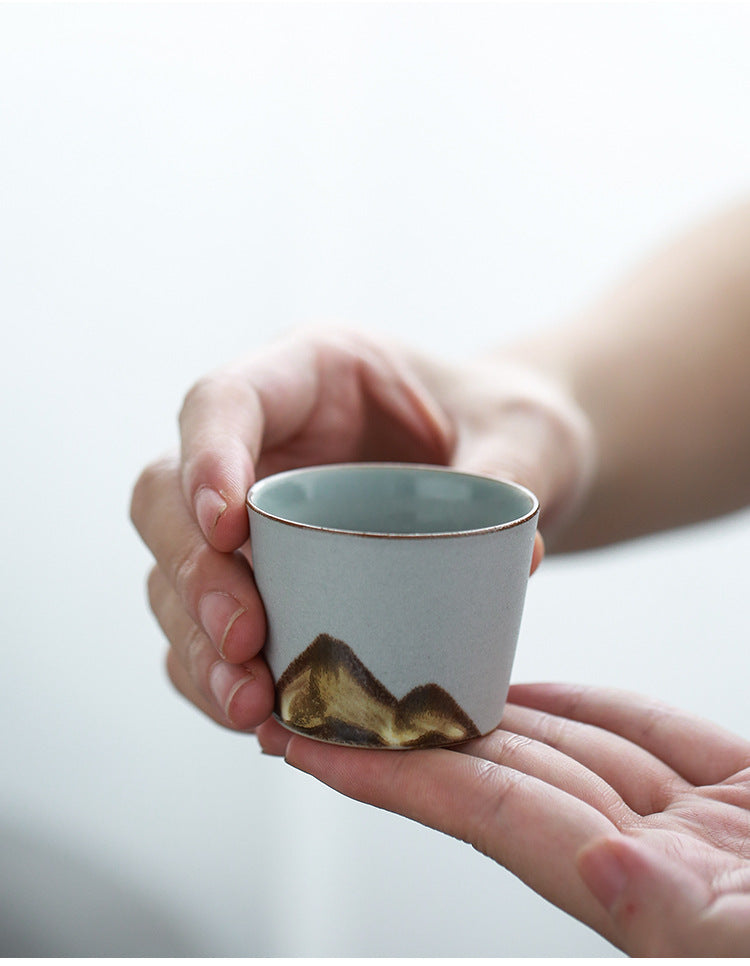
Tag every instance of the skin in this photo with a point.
(659, 366)
(641, 812)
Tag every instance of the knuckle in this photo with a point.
(174, 669)
(201, 398)
(195, 651)
(196, 395)
(145, 488)
(496, 788)
(515, 746)
(189, 567)
(652, 722)
(152, 587)
(552, 730)
(155, 588)
(224, 386)
(139, 497)
(330, 340)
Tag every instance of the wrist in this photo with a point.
(517, 420)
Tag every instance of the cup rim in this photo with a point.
(443, 534)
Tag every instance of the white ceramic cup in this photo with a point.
(394, 595)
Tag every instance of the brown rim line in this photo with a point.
(443, 534)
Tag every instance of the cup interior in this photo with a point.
(390, 499)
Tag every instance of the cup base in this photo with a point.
(352, 737)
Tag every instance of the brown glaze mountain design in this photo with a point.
(328, 693)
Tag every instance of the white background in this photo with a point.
(178, 185)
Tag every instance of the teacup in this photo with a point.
(394, 595)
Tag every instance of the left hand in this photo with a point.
(629, 815)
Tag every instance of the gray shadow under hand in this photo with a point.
(54, 903)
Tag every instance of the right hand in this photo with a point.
(632, 816)
(313, 398)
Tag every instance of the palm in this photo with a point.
(573, 778)
(711, 839)
(711, 834)
(678, 801)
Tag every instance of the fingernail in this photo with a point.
(209, 507)
(218, 612)
(603, 872)
(224, 684)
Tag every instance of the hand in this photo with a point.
(322, 397)
(629, 815)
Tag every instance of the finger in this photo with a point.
(531, 828)
(273, 737)
(221, 429)
(184, 683)
(236, 695)
(643, 782)
(538, 553)
(226, 421)
(700, 751)
(655, 903)
(247, 415)
(523, 753)
(236, 708)
(217, 589)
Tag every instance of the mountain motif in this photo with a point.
(328, 693)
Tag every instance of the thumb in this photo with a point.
(654, 902)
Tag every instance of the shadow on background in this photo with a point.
(55, 903)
